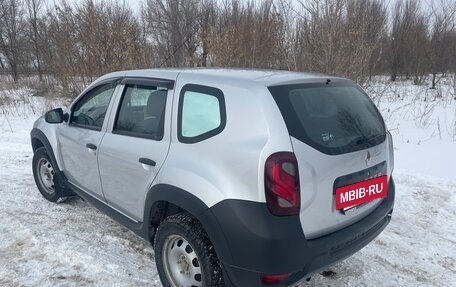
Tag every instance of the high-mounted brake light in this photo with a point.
(281, 181)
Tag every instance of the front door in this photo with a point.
(81, 137)
(131, 155)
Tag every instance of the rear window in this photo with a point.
(334, 119)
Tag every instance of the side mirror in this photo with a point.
(54, 116)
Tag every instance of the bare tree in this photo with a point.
(91, 39)
(407, 39)
(288, 56)
(33, 19)
(441, 49)
(12, 35)
(418, 44)
(363, 38)
(248, 35)
(172, 26)
(78, 41)
(206, 22)
(342, 37)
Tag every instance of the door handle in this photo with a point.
(147, 161)
(91, 146)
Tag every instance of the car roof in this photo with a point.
(265, 77)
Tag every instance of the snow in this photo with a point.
(423, 127)
(73, 244)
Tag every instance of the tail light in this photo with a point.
(281, 181)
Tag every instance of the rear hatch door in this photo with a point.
(339, 139)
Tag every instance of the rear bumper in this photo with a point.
(257, 242)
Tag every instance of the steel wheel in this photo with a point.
(46, 175)
(181, 264)
(185, 256)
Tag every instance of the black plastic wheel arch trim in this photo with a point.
(193, 205)
(59, 177)
(39, 135)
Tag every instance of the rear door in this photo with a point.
(81, 137)
(136, 144)
(339, 139)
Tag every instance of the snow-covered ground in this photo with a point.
(73, 244)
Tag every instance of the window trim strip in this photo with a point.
(211, 91)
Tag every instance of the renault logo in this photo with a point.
(367, 158)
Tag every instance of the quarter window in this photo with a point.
(90, 111)
(142, 112)
(201, 113)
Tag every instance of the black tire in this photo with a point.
(188, 228)
(45, 186)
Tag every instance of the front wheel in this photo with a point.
(44, 172)
(184, 254)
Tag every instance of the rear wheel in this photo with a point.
(184, 254)
(44, 172)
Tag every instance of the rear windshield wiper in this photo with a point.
(364, 139)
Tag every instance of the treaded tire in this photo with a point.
(39, 158)
(190, 229)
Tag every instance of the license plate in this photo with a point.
(361, 192)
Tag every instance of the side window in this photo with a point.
(90, 111)
(201, 113)
(142, 112)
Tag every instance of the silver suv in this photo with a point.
(237, 177)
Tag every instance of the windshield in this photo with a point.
(333, 118)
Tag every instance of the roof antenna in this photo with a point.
(328, 81)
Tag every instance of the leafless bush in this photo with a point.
(342, 37)
(423, 112)
(91, 39)
(442, 39)
(454, 98)
(406, 42)
(454, 86)
(76, 41)
(248, 36)
(12, 38)
(377, 90)
(173, 28)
